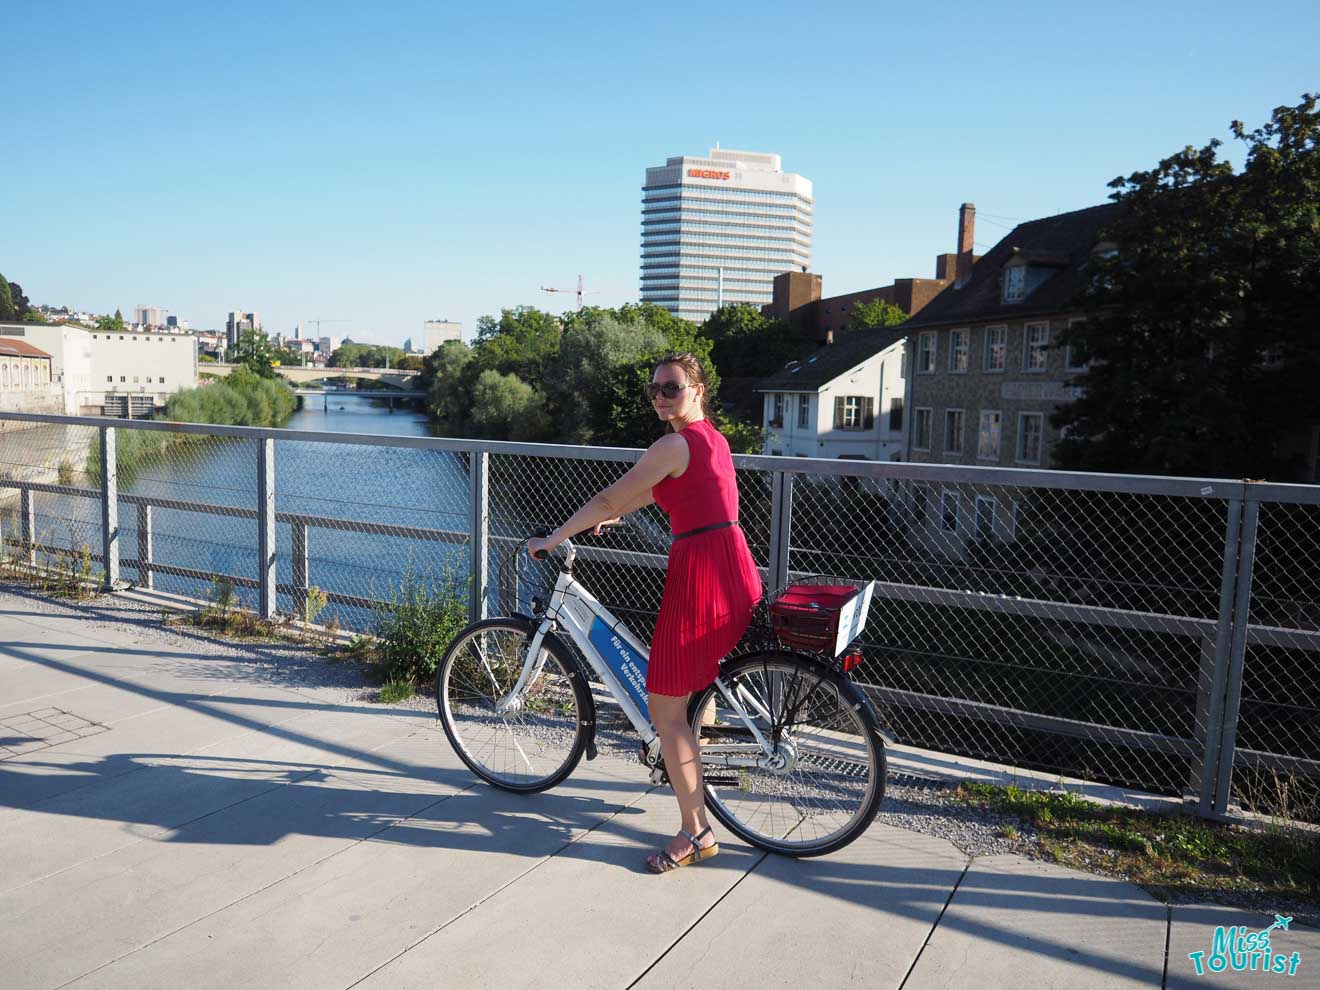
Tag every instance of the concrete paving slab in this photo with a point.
(1017, 923)
(1193, 927)
(336, 921)
(857, 917)
(167, 791)
(64, 926)
(590, 917)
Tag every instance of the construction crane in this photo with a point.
(580, 291)
(318, 324)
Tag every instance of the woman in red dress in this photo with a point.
(711, 585)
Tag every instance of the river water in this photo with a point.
(372, 485)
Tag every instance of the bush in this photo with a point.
(416, 627)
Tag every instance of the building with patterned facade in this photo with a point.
(717, 230)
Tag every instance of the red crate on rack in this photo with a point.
(806, 616)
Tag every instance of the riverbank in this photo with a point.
(241, 399)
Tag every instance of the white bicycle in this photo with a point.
(792, 755)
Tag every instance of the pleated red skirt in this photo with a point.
(711, 589)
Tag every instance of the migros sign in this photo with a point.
(706, 173)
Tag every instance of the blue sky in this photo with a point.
(385, 164)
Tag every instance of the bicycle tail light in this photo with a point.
(851, 659)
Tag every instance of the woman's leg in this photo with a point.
(682, 764)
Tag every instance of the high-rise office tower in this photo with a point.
(238, 322)
(717, 230)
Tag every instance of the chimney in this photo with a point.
(966, 235)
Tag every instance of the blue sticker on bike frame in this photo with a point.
(627, 666)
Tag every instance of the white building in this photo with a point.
(327, 345)
(150, 316)
(717, 230)
(26, 378)
(137, 372)
(70, 360)
(436, 332)
(844, 400)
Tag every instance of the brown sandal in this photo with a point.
(662, 862)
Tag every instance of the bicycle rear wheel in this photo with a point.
(528, 743)
(832, 778)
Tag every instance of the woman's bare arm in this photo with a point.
(665, 458)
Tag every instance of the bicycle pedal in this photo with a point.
(658, 776)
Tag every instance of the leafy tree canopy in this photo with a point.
(875, 313)
(1200, 314)
(254, 352)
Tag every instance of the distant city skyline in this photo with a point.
(339, 169)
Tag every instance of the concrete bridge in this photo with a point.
(398, 377)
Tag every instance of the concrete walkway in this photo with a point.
(173, 820)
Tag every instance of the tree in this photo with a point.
(876, 313)
(1200, 327)
(519, 343)
(111, 324)
(579, 377)
(504, 406)
(449, 391)
(746, 344)
(6, 301)
(254, 353)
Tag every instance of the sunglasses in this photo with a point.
(669, 390)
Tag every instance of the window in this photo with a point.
(777, 409)
(1037, 340)
(920, 503)
(122, 378)
(926, 353)
(921, 430)
(987, 446)
(949, 511)
(135, 379)
(985, 516)
(804, 411)
(109, 378)
(959, 346)
(953, 431)
(1029, 433)
(1015, 283)
(1073, 361)
(896, 413)
(854, 412)
(162, 379)
(996, 348)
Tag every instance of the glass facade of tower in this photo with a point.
(720, 228)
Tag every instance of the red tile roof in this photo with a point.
(20, 348)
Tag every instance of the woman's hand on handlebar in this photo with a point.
(616, 521)
(539, 548)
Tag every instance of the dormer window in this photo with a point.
(1015, 283)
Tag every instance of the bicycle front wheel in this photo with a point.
(827, 778)
(525, 743)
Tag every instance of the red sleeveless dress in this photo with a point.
(711, 585)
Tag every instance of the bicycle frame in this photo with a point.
(619, 659)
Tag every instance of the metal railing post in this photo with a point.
(781, 526)
(145, 576)
(1237, 653)
(109, 507)
(300, 568)
(266, 526)
(27, 526)
(478, 530)
(1217, 676)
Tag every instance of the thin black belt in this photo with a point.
(704, 529)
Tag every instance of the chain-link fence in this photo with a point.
(1157, 633)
